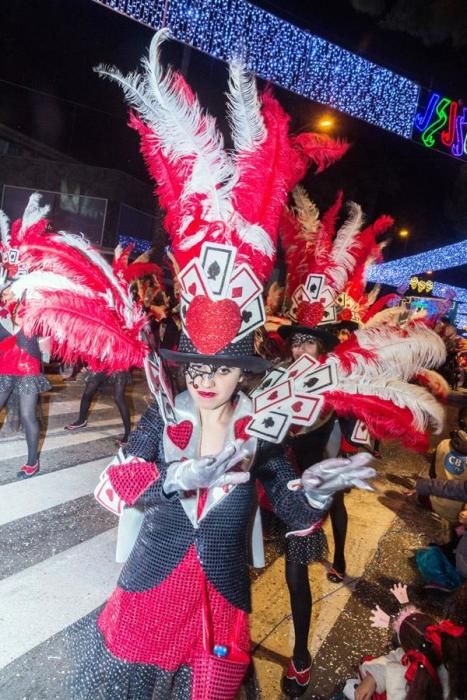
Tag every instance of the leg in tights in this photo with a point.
(119, 397)
(27, 412)
(92, 385)
(298, 584)
(339, 521)
(4, 396)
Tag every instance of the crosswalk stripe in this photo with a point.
(42, 600)
(22, 498)
(64, 438)
(61, 408)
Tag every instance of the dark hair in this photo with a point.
(454, 650)
(462, 417)
(412, 637)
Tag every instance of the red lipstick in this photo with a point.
(206, 394)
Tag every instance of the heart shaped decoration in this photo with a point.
(240, 428)
(181, 433)
(212, 325)
(297, 406)
(192, 288)
(310, 313)
(110, 494)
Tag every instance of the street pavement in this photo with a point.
(57, 554)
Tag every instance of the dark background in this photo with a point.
(49, 93)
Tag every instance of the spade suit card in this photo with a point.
(317, 380)
(217, 262)
(253, 316)
(271, 425)
(313, 286)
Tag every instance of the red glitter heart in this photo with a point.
(345, 315)
(297, 406)
(212, 325)
(181, 433)
(310, 313)
(240, 427)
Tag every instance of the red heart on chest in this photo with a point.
(180, 433)
(240, 427)
(212, 325)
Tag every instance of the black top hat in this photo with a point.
(238, 354)
(323, 333)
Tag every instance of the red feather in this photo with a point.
(384, 420)
(78, 329)
(320, 149)
(350, 352)
(324, 241)
(169, 177)
(379, 304)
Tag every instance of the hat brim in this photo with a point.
(250, 363)
(328, 339)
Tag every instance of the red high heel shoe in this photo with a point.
(27, 471)
(295, 683)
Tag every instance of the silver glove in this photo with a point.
(321, 481)
(208, 472)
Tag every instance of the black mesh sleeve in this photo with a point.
(145, 439)
(274, 471)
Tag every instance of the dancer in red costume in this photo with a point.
(20, 356)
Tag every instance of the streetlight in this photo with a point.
(404, 234)
(326, 122)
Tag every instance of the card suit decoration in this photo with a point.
(180, 434)
(237, 292)
(297, 406)
(110, 493)
(246, 315)
(213, 271)
(192, 288)
(273, 396)
(310, 313)
(240, 428)
(345, 315)
(212, 325)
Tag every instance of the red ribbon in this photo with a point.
(433, 634)
(415, 659)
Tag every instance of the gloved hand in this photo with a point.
(207, 472)
(321, 481)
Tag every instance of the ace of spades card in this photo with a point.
(313, 286)
(253, 316)
(317, 380)
(217, 262)
(271, 426)
(273, 377)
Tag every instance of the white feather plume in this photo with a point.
(244, 110)
(343, 262)
(35, 283)
(181, 128)
(33, 212)
(399, 354)
(425, 409)
(307, 214)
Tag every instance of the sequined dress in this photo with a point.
(20, 363)
(148, 642)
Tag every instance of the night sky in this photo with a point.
(50, 93)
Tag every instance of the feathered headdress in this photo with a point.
(69, 293)
(222, 209)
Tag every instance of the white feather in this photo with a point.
(182, 129)
(35, 283)
(119, 291)
(256, 237)
(343, 262)
(399, 354)
(307, 214)
(244, 110)
(4, 229)
(33, 212)
(425, 409)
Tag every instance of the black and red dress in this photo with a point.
(190, 560)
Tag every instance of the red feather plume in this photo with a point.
(320, 149)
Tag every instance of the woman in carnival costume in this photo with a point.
(321, 262)
(176, 626)
(20, 356)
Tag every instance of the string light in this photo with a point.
(286, 55)
(396, 272)
(139, 244)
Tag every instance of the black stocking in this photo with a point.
(298, 584)
(4, 396)
(27, 412)
(90, 390)
(339, 521)
(119, 397)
